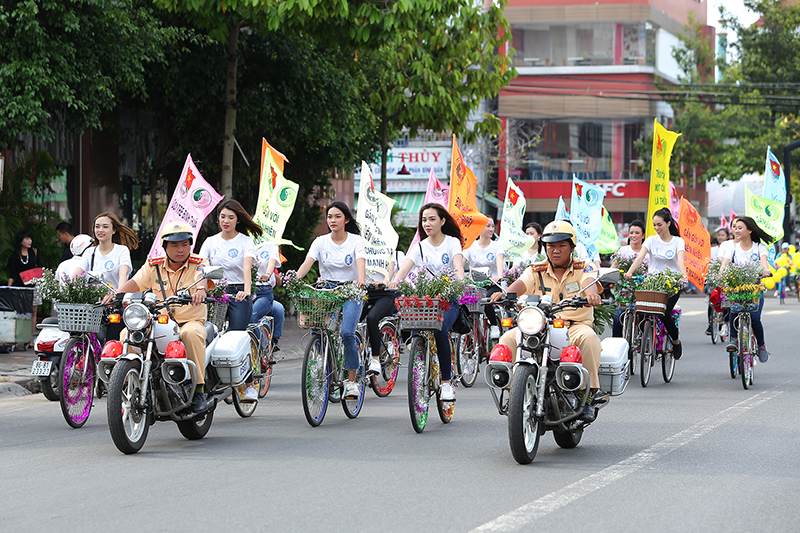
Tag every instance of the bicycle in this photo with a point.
(655, 344)
(742, 360)
(473, 347)
(424, 378)
(382, 384)
(323, 372)
(719, 327)
(632, 334)
(78, 368)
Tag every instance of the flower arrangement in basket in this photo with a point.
(316, 307)
(425, 286)
(626, 288)
(741, 283)
(75, 290)
(655, 289)
(217, 310)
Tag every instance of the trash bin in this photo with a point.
(16, 307)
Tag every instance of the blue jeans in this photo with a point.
(443, 341)
(351, 312)
(755, 320)
(266, 304)
(239, 313)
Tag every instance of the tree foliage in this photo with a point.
(70, 59)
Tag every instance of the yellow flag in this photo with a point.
(663, 143)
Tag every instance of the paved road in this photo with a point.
(697, 454)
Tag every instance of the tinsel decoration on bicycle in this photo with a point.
(741, 283)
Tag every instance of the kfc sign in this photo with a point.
(616, 190)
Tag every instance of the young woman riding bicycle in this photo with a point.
(749, 247)
(341, 258)
(486, 252)
(439, 249)
(666, 250)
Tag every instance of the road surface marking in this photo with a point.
(693, 313)
(781, 312)
(525, 516)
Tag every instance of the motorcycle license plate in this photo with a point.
(41, 368)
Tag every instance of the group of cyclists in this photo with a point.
(559, 267)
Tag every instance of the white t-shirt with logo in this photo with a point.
(740, 256)
(437, 258)
(337, 262)
(263, 257)
(230, 255)
(67, 268)
(107, 264)
(478, 257)
(664, 255)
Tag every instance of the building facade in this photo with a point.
(585, 96)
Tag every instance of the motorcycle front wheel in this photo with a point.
(524, 428)
(76, 376)
(127, 422)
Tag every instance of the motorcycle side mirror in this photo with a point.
(480, 274)
(95, 277)
(212, 272)
(604, 275)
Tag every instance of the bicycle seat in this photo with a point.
(50, 320)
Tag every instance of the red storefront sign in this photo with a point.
(554, 189)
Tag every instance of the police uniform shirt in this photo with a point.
(569, 286)
(174, 280)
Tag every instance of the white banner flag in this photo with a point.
(513, 239)
(375, 218)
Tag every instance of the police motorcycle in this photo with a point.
(542, 391)
(150, 378)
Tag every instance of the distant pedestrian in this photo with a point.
(24, 258)
(65, 235)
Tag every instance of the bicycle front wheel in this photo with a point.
(264, 362)
(468, 353)
(353, 406)
(628, 331)
(383, 383)
(418, 383)
(647, 348)
(316, 381)
(77, 382)
(746, 353)
(668, 362)
(715, 319)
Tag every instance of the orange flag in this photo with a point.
(463, 204)
(278, 157)
(698, 244)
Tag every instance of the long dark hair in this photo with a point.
(122, 234)
(244, 224)
(636, 224)
(450, 225)
(666, 215)
(756, 233)
(351, 226)
(21, 234)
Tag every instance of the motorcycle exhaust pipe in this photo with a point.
(570, 376)
(178, 371)
(498, 374)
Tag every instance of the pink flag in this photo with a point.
(733, 215)
(191, 203)
(437, 193)
(724, 222)
(674, 202)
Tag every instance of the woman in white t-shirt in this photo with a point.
(749, 247)
(483, 253)
(439, 249)
(269, 260)
(666, 250)
(234, 250)
(341, 258)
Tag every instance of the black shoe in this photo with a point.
(677, 351)
(708, 330)
(275, 347)
(588, 413)
(199, 402)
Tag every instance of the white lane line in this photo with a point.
(781, 312)
(528, 513)
(692, 313)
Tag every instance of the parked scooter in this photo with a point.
(150, 379)
(49, 347)
(542, 391)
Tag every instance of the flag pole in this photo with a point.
(788, 231)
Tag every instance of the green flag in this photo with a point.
(276, 198)
(608, 241)
(513, 239)
(767, 213)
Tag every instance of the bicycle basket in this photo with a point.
(79, 318)
(314, 312)
(421, 315)
(651, 302)
(477, 307)
(217, 312)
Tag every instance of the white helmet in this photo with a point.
(79, 244)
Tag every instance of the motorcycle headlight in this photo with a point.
(136, 316)
(531, 320)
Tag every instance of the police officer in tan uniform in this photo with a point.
(176, 270)
(562, 278)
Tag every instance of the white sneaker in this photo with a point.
(351, 390)
(447, 393)
(250, 394)
(494, 332)
(374, 366)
